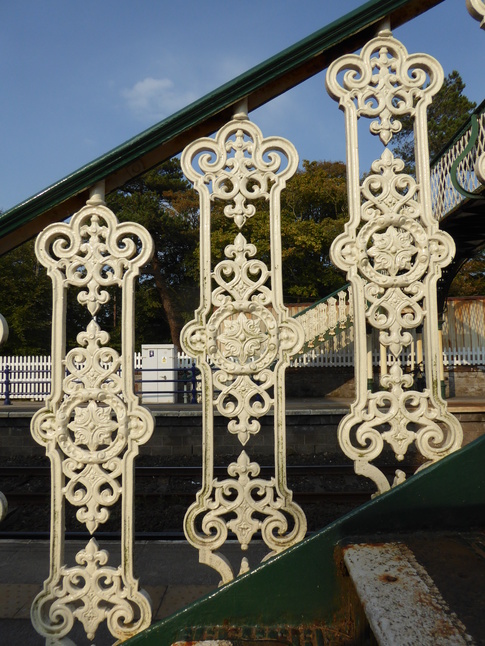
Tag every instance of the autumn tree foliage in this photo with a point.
(314, 209)
(313, 213)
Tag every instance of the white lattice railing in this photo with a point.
(452, 177)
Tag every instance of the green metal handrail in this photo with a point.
(480, 109)
(258, 86)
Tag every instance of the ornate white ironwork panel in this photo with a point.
(477, 10)
(393, 252)
(92, 425)
(242, 338)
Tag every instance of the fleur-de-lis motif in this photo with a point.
(243, 327)
(384, 81)
(393, 253)
(92, 424)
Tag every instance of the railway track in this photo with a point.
(163, 493)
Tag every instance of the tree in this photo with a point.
(25, 297)
(313, 213)
(26, 303)
(166, 205)
(314, 209)
(446, 115)
(470, 280)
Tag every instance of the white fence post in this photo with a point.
(463, 345)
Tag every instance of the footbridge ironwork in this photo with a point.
(393, 252)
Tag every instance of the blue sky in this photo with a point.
(80, 78)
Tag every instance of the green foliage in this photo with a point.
(313, 212)
(165, 204)
(314, 209)
(25, 296)
(446, 115)
(470, 280)
(26, 303)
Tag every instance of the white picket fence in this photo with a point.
(463, 345)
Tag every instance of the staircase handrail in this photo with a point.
(453, 170)
(327, 317)
(167, 138)
(480, 109)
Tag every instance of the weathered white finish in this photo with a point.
(477, 10)
(401, 602)
(393, 252)
(247, 343)
(92, 425)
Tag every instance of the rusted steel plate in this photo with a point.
(401, 602)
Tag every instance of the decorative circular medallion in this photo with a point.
(93, 427)
(242, 341)
(393, 256)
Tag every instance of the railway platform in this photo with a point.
(168, 571)
(300, 405)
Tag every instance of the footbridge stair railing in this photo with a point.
(326, 318)
(457, 172)
(92, 426)
(457, 178)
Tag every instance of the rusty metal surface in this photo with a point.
(401, 601)
(456, 563)
(267, 636)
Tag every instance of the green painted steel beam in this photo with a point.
(305, 586)
(259, 85)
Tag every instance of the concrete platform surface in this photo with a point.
(168, 571)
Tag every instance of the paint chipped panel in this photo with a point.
(401, 602)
